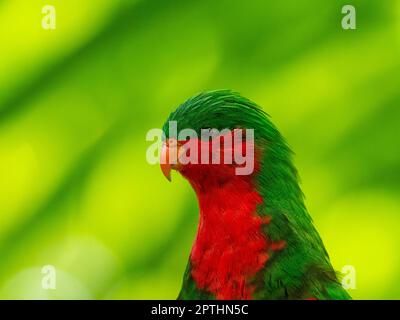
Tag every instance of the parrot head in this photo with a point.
(219, 137)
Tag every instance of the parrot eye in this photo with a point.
(243, 133)
(170, 142)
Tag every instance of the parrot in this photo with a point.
(255, 238)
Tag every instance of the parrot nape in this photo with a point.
(255, 238)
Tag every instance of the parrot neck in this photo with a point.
(230, 246)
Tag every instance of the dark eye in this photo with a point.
(183, 142)
(242, 133)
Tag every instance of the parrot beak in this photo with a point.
(166, 170)
(169, 158)
(164, 162)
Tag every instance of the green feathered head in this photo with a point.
(226, 109)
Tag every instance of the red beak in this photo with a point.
(169, 158)
(164, 162)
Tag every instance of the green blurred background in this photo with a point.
(76, 103)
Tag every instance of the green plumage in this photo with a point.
(302, 270)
